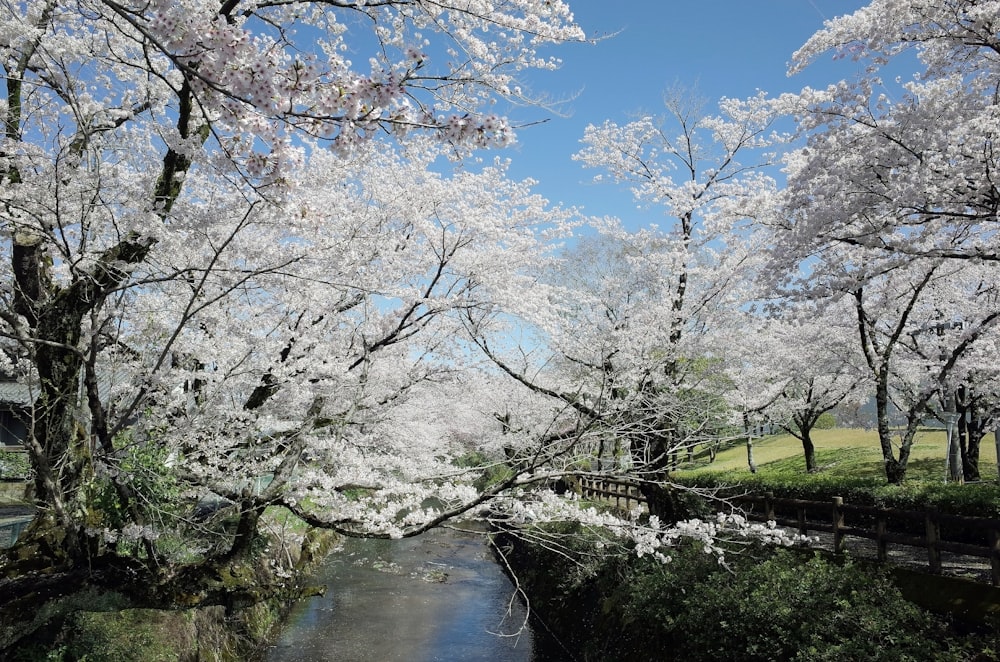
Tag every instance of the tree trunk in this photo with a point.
(751, 464)
(895, 468)
(996, 444)
(809, 449)
(976, 431)
(58, 444)
(59, 447)
(970, 456)
(246, 532)
(662, 502)
(894, 471)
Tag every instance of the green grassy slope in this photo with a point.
(851, 454)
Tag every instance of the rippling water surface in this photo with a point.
(439, 596)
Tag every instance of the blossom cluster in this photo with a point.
(648, 536)
(260, 80)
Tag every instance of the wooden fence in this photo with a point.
(931, 530)
(621, 493)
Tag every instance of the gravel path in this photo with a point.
(914, 558)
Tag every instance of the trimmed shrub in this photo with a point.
(762, 604)
(784, 608)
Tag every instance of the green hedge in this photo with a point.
(979, 500)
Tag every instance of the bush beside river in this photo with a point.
(760, 604)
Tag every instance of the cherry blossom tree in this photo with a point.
(696, 175)
(621, 322)
(918, 326)
(201, 274)
(967, 401)
(906, 169)
(977, 411)
(797, 367)
(240, 276)
(901, 172)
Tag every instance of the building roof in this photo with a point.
(15, 393)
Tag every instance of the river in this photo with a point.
(439, 596)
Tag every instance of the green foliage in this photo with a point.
(146, 470)
(786, 479)
(826, 421)
(763, 605)
(785, 609)
(124, 636)
(769, 607)
(471, 459)
(45, 641)
(491, 471)
(15, 465)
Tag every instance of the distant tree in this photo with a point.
(971, 399)
(799, 368)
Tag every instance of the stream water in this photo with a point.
(440, 596)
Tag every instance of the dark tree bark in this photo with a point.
(972, 427)
(809, 450)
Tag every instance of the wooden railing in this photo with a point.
(884, 526)
(621, 493)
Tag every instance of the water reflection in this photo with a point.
(436, 597)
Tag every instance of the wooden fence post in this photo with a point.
(769, 506)
(838, 525)
(803, 525)
(881, 528)
(933, 527)
(995, 556)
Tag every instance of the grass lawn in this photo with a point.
(850, 454)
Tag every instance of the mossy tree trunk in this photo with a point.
(67, 422)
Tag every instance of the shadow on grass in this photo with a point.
(925, 468)
(840, 463)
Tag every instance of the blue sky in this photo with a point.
(720, 48)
